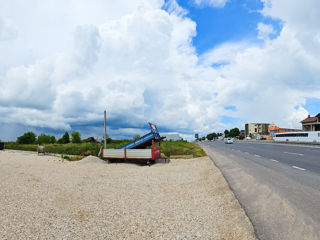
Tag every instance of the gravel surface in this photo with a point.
(43, 197)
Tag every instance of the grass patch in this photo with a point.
(182, 148)
(84, 149)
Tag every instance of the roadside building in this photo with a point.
(255, 129)
(242, 133)
(273, 129)
(311, 123)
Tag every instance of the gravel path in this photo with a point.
(42, 197)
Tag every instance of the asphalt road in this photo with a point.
(277, 184)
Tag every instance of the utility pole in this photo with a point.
(105, 129)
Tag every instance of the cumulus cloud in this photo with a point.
(265, 30)
(140, 64)
(212, 3)
(271, 81)
(8, 30)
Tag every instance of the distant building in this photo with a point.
(172, 136)
(254, 129)
(243, 133)
(311, 123)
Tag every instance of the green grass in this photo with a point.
(167, 147)
(181, 148)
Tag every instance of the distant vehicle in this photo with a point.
(229, 141)
(313, 136)
(248, 138)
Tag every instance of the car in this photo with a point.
(248, 138)
(229, 141)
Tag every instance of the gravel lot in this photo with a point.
(42, 197)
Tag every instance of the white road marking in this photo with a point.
(298, 168)
(257, 155)
(300, 154)
(274, 160)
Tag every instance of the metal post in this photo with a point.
(105, 129)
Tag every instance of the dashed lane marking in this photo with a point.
(273, 160)
(302, 169)
(257, 155)
(292, 153)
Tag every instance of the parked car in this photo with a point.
(229, 141)
(248, 138)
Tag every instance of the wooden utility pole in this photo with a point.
(105, 129)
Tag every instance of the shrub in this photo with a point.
(27, 138)
(43, 138)
(75, 137)
(136, 137)
(65, 138)
(52, 139)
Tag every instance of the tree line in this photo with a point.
(232, 133)
(31, 138)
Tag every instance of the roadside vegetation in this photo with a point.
(232, 133)
(84, 147)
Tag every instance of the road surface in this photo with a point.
(277, 184)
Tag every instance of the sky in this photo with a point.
(189, 66)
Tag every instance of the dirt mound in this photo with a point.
(90, 159)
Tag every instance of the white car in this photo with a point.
(229, 141)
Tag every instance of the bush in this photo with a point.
(75, 137)
(136, 137)
(52, 139)
(45, 139)
(65, 138)
(27, 138)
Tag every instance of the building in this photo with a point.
(254, 129)
(311, 123)
(273, 129)
(242, 133)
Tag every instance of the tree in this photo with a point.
(27, 138)
(65, 138)
(234, 132)
(136, 137)
(76, 137)
(43, 138)
(226, 133)
(211, 136)
(53, 139)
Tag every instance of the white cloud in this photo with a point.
(8, 30)
(212, 3)
(269, 83)
(138, 61)
(265, 30)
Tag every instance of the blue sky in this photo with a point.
(193, 66)
(236, 21)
